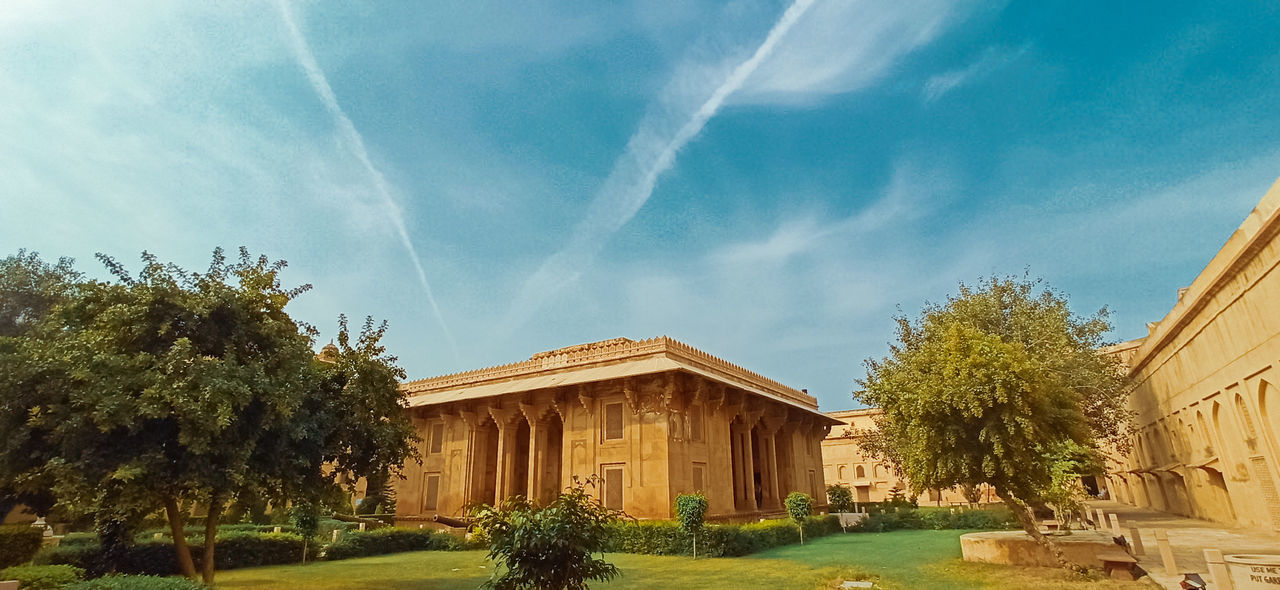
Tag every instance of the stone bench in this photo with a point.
(1117, 564)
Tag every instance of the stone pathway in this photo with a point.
(1188, 537)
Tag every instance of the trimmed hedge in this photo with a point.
(18, 544)
(936, 519)
(156, 556)
(664, 537)
(382, 541)
(137, 583)
(42, 577)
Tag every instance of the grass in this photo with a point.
(921, 560)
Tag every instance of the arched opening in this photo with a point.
(1218, 485)
(787, 481)
(551, 460)
(1206, 437)
(860, 472)
(1246, 423)
(841, 474)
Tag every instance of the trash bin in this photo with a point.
(1254, 572)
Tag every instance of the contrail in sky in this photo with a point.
(631, 182)
(355, 142)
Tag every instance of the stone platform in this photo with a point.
(1018, 548)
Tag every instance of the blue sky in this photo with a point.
(767, 181)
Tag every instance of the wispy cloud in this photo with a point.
(355, 142)
(830, 47)
(649, 153)
(993, 58)
(846, 45)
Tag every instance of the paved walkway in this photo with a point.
(1188, 537)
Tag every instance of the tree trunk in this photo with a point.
(1022, 512)
(176, 527)
(210, 537)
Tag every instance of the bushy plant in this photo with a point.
(664, 537)
(799, 507)
(937, 519)
(383, 541)
(42, 577)
(691, 512)
(137, 583)
(839, 498)
(549, 548)
(18, 544)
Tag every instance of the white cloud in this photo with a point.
(992, 58)
(355, 142)
(836, 46)
(846, 45)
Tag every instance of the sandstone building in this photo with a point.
(653, 418)
(1207, 441)
(871, 480)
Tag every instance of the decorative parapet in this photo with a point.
(616, 349)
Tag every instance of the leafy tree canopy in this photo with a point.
(989, 386)
(174, 389)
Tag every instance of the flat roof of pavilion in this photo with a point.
(600, 361)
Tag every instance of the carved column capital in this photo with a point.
(502, 416)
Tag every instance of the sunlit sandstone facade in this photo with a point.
(653, 419)
(1207, 410)
(871, 480)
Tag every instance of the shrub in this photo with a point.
(839, 498)
(18, 544)
(799, 507)
(691, 510)
(137, 583)
(550, 548)
(42, 577)
(156, 556)
(382, 541)
(936, 518)
(665, 537)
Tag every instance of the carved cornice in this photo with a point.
(502, 416)
(606, 352)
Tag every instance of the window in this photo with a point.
(695, 423)
(613, 421)
(699, 472)
(860, 473)
(842, 473)
(431, 492)
(612, 485)
(437, 437)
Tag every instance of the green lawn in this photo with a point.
(904, 559)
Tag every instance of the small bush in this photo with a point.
(18, 544)
(42, 577)
(137, 583)
(382, 541)
(937, 519)
(839, 498)
(665, 537)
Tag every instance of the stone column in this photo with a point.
(735, 463)
(506, 434)
(535, 449)
(471, 420)
(749, 469)
(769, 446)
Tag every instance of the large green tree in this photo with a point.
(990, 387)
(29, 289)
(175, 389)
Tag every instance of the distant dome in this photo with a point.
(329, 353)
